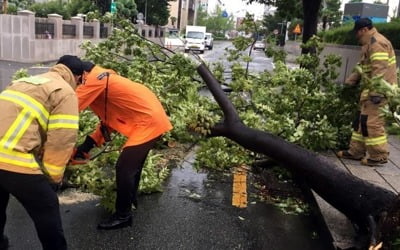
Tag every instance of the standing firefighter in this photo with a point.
(38, 131)
(131, 109)
(377, 59)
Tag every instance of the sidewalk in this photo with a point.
(386, 176)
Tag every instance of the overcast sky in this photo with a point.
(237, 7)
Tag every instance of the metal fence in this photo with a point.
(43, 29)
(103, 31)
(88, 31)
(68, 31)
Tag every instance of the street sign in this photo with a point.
(113, 7)
(297, 29)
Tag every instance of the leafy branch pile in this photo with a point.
(304, 106)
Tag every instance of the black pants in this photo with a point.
(40, 201)
(128, 170)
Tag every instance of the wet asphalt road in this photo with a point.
(172, 219)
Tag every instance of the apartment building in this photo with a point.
(184, 12)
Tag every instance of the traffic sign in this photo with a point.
(224, 13)
(113, 7)
(297, 29)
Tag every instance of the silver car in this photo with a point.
(260, 44)
(209, 41)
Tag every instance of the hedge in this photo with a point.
(343, 34)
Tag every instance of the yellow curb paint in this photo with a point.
(239, 187)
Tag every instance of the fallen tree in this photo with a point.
(372, 208)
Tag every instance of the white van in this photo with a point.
(195, 38)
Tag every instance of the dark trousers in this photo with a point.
(40, 201)
(128, 170)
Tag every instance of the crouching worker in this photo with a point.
(38, 131)
(128, 108)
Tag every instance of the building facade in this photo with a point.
(184, 12)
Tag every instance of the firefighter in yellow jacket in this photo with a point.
(377, 59)
(38, 131)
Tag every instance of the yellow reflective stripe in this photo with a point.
(379, 56)
(375, 141)
(53, 170)
(63, 121)
(357, 137)
(17, 129)
(27, 102)
(392, 60)
(18, 158)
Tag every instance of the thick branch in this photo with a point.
(354, 197)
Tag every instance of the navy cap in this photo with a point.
(75, 64)
(362, 23)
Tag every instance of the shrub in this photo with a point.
(343, 34)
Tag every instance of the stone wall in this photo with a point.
(350, 55)
(20, 42)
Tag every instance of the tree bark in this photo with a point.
(310, 10)
(354, 197)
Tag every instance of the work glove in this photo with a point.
(80, 155)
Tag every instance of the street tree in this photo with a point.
(288, 10)
(45, 8)
(126, 9)
(216, 23)
(15, 5)
(331, 15)
(310, 13)
(157, 11)
(202, 16)
(75, 7)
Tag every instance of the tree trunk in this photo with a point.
(354, 197)
(310, 10)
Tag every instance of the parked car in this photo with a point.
(209, 41)
(260, 44)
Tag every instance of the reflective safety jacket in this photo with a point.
(39, 123)
(125, 106)
(377, 58)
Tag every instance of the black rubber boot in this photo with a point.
(4, 243)
(116, 221)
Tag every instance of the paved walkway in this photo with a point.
(387, 176)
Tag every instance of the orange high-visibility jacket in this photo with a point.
(39, 123)
(132, 109)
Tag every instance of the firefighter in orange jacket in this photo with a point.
(133, 110)
(377, 59)
(38, 131)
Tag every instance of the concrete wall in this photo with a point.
(350, 55)
(18, 42)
